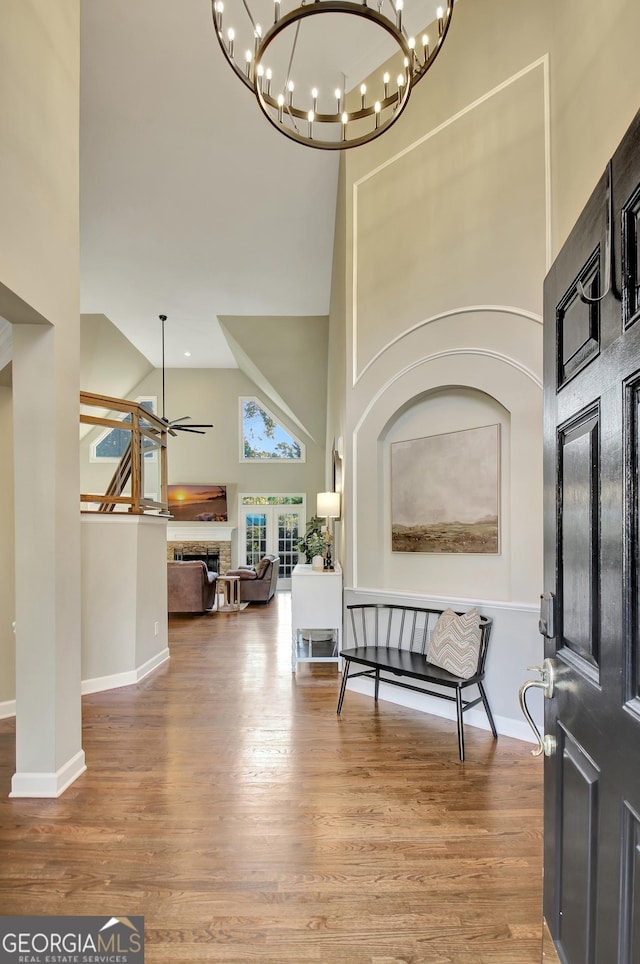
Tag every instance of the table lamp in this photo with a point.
(328, 505)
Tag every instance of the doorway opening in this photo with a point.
(271, 523)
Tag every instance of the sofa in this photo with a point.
(191, 588)
(258, 583)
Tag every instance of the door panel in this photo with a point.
(254, 527)
(577, 894)
(630, 916)
(631, 259)
(632, 548)
(592, 456)
(289, 527)
(579, 528)
(578, 322)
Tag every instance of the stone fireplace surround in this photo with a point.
(183, 539)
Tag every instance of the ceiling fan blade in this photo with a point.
(183, 418)
(197, 425)
(185, 428)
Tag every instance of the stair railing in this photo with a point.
(148, 433)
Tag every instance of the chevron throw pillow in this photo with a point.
(455, 643)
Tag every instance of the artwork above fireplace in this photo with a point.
(198, 503)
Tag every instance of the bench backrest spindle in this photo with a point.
(404, 627)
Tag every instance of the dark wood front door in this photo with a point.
(592, 457)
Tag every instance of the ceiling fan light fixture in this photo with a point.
(315, 128)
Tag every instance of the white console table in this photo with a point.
(316, 604)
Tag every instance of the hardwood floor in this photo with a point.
(226, 802)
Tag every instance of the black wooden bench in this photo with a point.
(393, 640)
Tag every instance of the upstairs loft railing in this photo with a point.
(139, 482)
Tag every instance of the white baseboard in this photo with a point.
(115, 681)
(101, 683)
(518, 729)
(7, 709)
(48, 784)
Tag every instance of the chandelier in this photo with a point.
(267, 60)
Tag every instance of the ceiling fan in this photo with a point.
(174, 426)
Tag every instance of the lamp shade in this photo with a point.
(328, 504)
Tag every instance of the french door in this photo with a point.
(270, 528)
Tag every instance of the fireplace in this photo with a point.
(210, 558)
(215, 555)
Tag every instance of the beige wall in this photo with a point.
(39, 295)
(443, 299)
(595, 93)
(7, 588)
(286, 357)
(109, 363)
(458, 211)
(451, 221)
(39, 57)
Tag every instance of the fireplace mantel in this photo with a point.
(200, 532)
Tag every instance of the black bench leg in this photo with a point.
(485, 703)
(345, 677)
(377, 685)
(460, 723)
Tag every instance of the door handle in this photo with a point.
(546, 683)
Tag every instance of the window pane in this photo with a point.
(288, 528)
(272, 500)
(256, 537)
(263, 437)
(114, 443)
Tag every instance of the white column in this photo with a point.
(49, 753)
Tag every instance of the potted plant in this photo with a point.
(313, 543)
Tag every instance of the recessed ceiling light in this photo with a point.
(187, 354)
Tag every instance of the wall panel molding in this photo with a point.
(541, 64)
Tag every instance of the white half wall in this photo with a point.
(124, 598)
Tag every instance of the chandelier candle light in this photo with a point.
(328, 121)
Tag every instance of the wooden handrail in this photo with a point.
(143, 425)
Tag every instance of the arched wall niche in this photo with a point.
(435, 395)
(452, 408)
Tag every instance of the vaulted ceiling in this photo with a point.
(192, 205)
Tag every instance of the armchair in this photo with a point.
(191, 588)
(258, 583)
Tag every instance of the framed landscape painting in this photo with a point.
(198, 503)
(445, 492)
